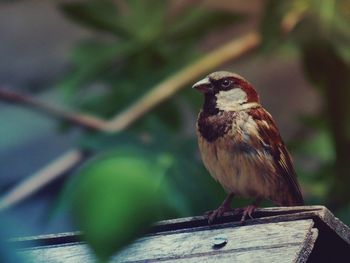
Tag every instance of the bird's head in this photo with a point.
(226, 91)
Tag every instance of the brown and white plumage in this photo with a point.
(240, 144)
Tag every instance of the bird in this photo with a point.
(241, 146)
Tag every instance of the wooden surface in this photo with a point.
(296, 234)
(273, 242)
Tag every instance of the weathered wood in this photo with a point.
(284, 234)
(261, 216)
(262, 243)
(81, 253)
(308, 246)
(75, 252)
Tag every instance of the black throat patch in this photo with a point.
(214, 126)
(209, 105)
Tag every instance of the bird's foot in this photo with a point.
(248, 211)
(212, 215)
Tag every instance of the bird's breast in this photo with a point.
(232, 158)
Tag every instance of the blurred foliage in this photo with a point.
(331, 74)
(136, 51)
(322, 38)
(117, 196)
(139, 44)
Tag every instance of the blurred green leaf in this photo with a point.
(270, 26)
(316, 121)
(117, 196)
(193, 23)
(320, 145)
(146, 28)
(97, 142)
(320, 31)
(91, 59)
(330, 73)
(142, 57)
(101, 15)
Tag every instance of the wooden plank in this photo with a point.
(230, 219)
(72, 253)
(268, 255)
(308, 246)
(81, 253)
(261, 215)
(335, 224)
(275, 242)
(333, 242)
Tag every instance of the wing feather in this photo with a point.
(272, 142)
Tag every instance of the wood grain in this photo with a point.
(276, 234)
(273, 242)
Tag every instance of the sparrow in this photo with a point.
(241, 147)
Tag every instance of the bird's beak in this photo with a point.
(203, 85)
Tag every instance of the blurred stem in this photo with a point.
(86, 121)
(46, 175)
(164, 90)
(293, 17)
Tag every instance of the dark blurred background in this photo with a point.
(99, 57)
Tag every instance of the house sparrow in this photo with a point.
(241, 147)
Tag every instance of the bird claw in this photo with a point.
(248, 211)
(212, 215)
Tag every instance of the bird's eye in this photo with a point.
(226, 83)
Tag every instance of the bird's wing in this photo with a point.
(271, 141)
